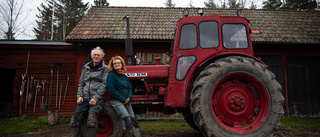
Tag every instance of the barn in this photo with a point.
(287, 41)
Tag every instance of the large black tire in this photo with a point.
(188, 117)
(236, 96)
(109, 123)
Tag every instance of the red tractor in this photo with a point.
(213, 79)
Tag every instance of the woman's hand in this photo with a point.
(126, 102)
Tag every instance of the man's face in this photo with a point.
(96, 57)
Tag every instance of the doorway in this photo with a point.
(7, 85)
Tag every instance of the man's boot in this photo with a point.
(74, 132)
(92, 124)
(74, 124)
(129, 126)
(91, 132)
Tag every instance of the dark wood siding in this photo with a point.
(39, 65)
(304, 87)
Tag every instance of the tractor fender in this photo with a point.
(214, 58)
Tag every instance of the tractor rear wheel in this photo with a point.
(236, 96)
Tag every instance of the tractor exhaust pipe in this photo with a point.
(128, 41)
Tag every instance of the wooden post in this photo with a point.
(53, 117)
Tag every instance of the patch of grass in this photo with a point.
(24, 124)
(164, 125)
(306, 122)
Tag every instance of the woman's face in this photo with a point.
(96, 57)
(117, 64)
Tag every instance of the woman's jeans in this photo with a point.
(122, 111)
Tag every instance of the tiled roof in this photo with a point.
(150, 23)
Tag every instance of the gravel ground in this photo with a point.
(64, 131)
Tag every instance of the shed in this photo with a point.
(33, 61)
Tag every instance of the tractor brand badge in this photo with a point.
(136, 74)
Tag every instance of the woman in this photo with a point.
(91, 93)
(121, 94)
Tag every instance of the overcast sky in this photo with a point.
(31, 10)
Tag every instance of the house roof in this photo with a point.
(154, 23)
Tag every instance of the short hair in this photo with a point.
(99, 49)
(123, 63)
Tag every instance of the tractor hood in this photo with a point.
(147, 71)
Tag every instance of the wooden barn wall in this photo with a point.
(40, 62)
(296, 70)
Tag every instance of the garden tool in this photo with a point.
(24, 75)
(50, 89)
(57, 94)
(38, 88)
(48, 83)
(60, 95)
(21, 92)
(31, 92)
(42, 104)
(22, 84)
(25, 105)
(65, 92)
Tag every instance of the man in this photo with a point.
(91, 94)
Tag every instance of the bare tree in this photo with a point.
(190, 4)
(242, 3)
(11, 16)
(210, 4)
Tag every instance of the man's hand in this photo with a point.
(79, 100)
(126, 102)
(92, 102)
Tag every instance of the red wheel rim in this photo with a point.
(105, 125)
(240, 103)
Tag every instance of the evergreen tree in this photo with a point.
(101, 3)
(67, 14)
(210, 4)
(224, 4)
(233, 4)
(300, 4)
(253, 6)
(291, 4)
(43, 30)
(169, 4)
(70, 12)
(272, 4)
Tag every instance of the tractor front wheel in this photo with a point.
(236, 96)
(109, 123)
